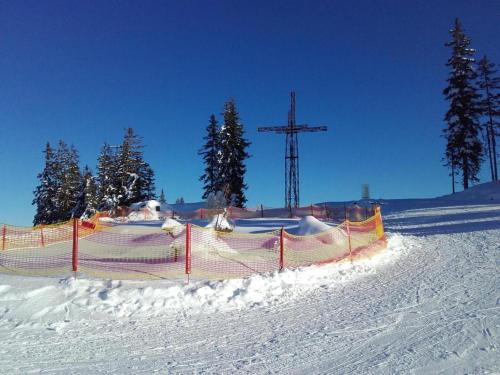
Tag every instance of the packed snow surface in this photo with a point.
(429, 303)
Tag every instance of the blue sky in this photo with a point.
(373, 71)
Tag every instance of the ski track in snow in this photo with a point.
(427, 304)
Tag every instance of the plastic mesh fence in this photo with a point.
(218, 255)
(147, 252)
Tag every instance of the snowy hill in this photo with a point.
(427, 304)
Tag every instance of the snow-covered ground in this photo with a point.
(429, 303)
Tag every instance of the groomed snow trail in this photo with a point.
(427, 304)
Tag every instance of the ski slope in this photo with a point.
(429, 303)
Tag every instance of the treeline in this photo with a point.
(65, 191)
(473, 125)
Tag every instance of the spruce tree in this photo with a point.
(232, 156)
(463, 149)
(107, 178)
(489, 83)
(69, 180)
(87, 202)
(46, 210)
(210, 152)
(162, 198)
(135, 175)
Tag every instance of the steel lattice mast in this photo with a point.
(292, 152)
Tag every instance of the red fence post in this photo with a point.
(75, 245)
(4, 235)
(348, 231)
(282, 248)
(201, 213)
(188, 249)
(41, 235)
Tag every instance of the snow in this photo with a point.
(310, 225)
(219, 222)
(169, 224)
(427, 304)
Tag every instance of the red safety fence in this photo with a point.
(145, 252)
(325, 212)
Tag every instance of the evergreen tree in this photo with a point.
(108, 182)
(69, 181)
(135, 175)
(162, 199)
(232, 156)
(210, 152)
(87, 202)
(489, 84)
(46, 210)
(464, 149)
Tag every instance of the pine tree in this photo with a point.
(464, 149)
(107, 178)
(69, 180)
(87, 202)
(46, 211)
(210, 152)
(232, 156)
(135, 175)
(489, 84)
(162, 198)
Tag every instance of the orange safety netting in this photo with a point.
(141, 251)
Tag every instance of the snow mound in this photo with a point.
(170, 224)
(147, 210)
(219, 222)
(310, 225)
(487, 192)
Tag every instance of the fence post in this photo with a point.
(312, 210)
(348, 231)
(41, 235)
(261, 211)
(188, 250)
(4, 235)
(282, 248)
(75, 245)
(201, 213)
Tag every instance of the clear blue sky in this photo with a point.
(373, 71)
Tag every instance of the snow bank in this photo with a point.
(170, 224)
(219, 222)
(486, 192)
(310, 225)
(45, 301)
(147, 210)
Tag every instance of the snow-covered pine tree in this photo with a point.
(135, 175)
(232, 156)
(107, 179)
(464, 149)
(147, 189)
(69, 180)
(45, 192)
(87, 203)
(162, 198)
(489, 83)
(210, 152)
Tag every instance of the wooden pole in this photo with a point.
(75, 245)
(4, 235)
(282, 249)
(188, 249)
(41, 235)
